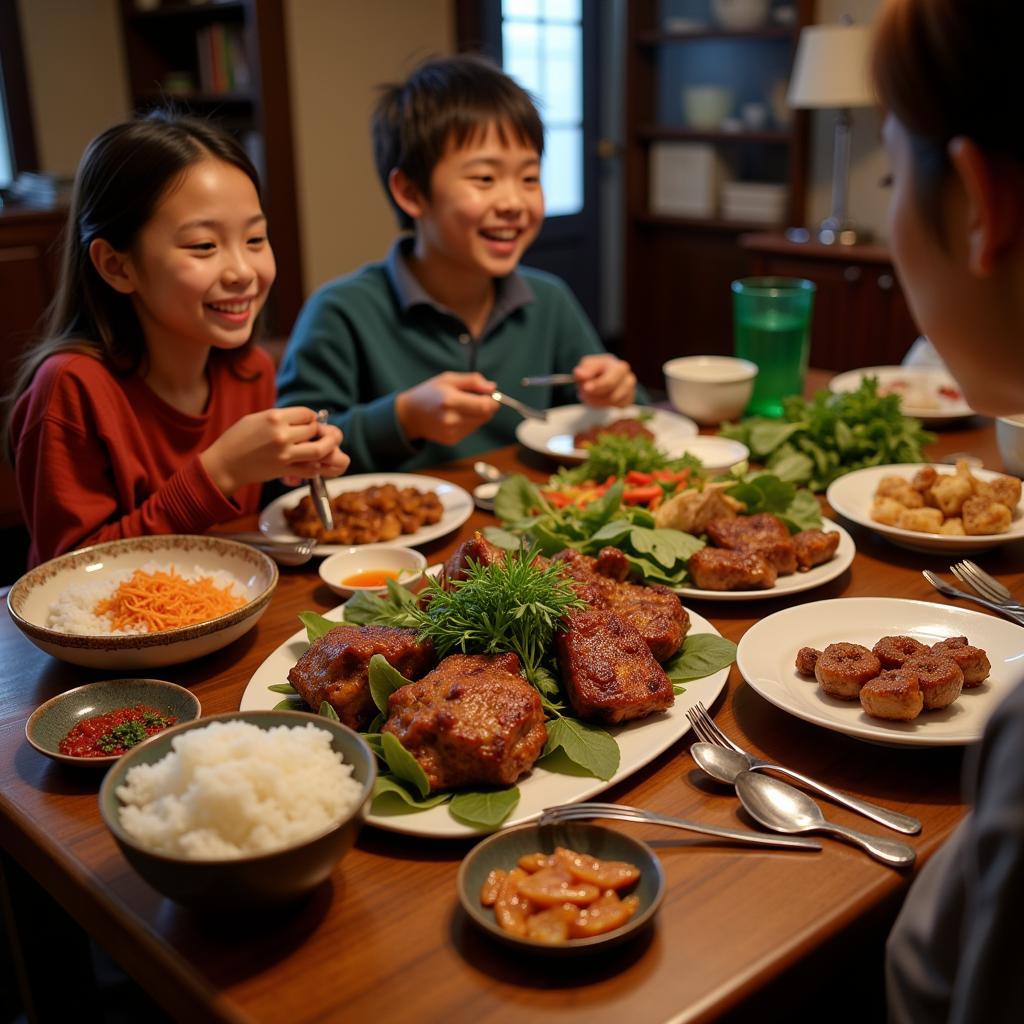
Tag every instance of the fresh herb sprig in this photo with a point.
(819, 440)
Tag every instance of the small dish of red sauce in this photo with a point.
(371, 578)
(113, 733)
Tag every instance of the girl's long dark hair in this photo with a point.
(124, 173)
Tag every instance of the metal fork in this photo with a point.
(623, 812)
(988, 586)
(524, 410)
(955, 592)
(705, 728)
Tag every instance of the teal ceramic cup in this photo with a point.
(771, 328)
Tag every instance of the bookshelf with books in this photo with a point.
(227, 61)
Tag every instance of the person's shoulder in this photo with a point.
(543, 283)
(65, 370)
(368, 280)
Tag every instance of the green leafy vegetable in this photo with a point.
(615, 454)
(389, 796)
(486, 809)
(403, 764)
(701, 655)
(821, 439)
(316, 625)
(286, 705)
(384, 680)
(588, 746)
(328, 712)
(283, 688)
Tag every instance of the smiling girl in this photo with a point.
(145, 408)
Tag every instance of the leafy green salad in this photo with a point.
(821, 439)
(515, 607)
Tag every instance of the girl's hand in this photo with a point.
(604, 380)
(446, 408)
(273, 443)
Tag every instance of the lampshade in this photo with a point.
(831, 68)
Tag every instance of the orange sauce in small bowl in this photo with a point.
(371, 578)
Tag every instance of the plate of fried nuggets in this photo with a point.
(767, 658)
(929, 507)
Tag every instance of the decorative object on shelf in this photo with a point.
(830, 72)
(755, 115)
(684, 179)
(740, 15)
(763, 202)
(782, 113)
(706, 106)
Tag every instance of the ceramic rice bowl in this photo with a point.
(256, 880)
(30, 599)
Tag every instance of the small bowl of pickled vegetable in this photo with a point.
(93, 725)
(561, 889)
(367, 568)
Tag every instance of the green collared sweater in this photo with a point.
(354, 348)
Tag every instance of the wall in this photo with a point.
(338, 54)
(868, 201)
(76, 75)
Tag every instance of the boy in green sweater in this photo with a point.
(406, 353)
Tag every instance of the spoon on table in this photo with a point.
(487, 472)
(484, 493)
(724, 764)
(779, 806)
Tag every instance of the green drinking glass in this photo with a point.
(771, 327)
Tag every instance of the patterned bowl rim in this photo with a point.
(136, 641)
(60, 698)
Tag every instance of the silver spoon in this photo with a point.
(724, 764)
(779, 806)
(487, 472)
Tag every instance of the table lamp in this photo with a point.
(831, 72)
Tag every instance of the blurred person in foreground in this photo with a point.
(942, 69)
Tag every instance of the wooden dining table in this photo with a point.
(742, 932)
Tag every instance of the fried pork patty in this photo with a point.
(608, 670)
(473, 721)
(721, 569)
(335, 668)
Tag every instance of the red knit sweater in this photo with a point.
(98, 457)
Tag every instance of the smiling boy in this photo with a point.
(406, 353)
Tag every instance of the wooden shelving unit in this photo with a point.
(678, 268)
(171, 60)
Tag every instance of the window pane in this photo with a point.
(562, 88)
(521, 48)
(520, 8)
(562, 171)
(562, 10)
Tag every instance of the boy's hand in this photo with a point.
(446, 408)
(273, 443)
(603, 380)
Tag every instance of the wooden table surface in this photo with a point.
(385, 940)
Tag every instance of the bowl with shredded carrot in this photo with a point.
(143, 602)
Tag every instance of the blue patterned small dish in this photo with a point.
(51, 721)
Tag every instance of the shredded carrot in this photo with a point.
(165, 600)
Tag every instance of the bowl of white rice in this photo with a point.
(62, 605)
(246, 809)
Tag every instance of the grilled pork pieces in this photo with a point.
(474, 720)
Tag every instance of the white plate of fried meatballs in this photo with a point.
(884, 669)
(928, 507)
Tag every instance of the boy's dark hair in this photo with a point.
(447, 98)
(123, 175)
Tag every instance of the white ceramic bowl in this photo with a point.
(1010, 441)
(408, 562)
(30, 599)
(709, 389)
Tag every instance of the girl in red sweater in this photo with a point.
(146, 408)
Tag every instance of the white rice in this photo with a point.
(72, 612)
(231, 789)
